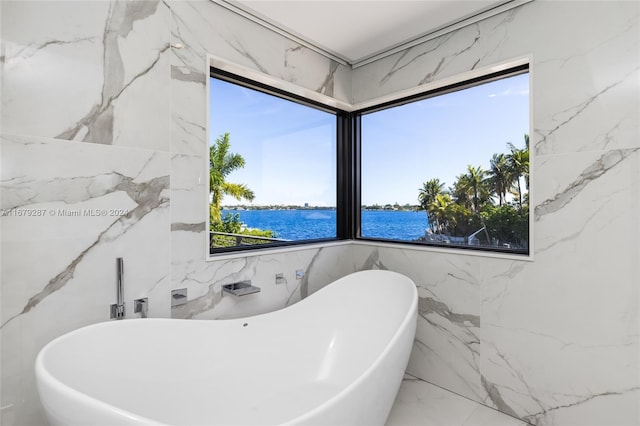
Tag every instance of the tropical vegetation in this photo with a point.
(221, 164)
(487, 207)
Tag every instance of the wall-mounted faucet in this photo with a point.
(241, 288)
(141, 306)
(178, 297)
(117, 309)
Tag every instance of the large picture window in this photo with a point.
(450, 169)
(272, 169)
(445, 168)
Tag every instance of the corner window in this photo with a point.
(450, 168)
(272, 168)
(445, 168)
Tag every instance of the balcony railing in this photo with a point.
(224, 239)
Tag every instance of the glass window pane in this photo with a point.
(278, 179)
(451, 169)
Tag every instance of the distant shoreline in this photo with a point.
(387, 207)
(309, 223)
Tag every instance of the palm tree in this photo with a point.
(526, 147)
(221, 163)
(472, 191)
(477, 186)
(518, 160)
(427, 195)
(500, 177)
(459, 192)
(439, 208)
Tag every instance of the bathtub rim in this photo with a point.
(409, 316)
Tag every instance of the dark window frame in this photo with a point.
(348, 159)
(486, 78)
(343, 160)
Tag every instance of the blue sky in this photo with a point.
(438, 137)
(290, 155)
(289, 149)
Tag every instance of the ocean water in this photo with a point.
(312, 224)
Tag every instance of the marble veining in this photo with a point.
(422, 403)
(304, 283)
(96, 60)
(459, 332)
(373, 261)
(447, 344)
(146, 195)
(97, 125)
(33, 48)
(540, 410)
(411, 57)
(536, 418)
(566, 116)
(500, 29)
(236, 44)
(189, 227)
(326, 88)
(444, 61)
(429, 305)
(204, 285)
(198, 305)
(602, 165)
(289, 52)
(544, 328)
(24, 193)
(496, 399)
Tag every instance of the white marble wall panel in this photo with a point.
(202, 27)
(88, 71)
(447, 345)
(594, 64)
(69, 209)
(320, 266)
(560, 343)
(209, 28)
(558, 336)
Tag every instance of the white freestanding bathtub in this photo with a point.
(334, 358)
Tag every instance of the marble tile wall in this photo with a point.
(104, 135)
(553, 341)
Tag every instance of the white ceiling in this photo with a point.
(355, 30)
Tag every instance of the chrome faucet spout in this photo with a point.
(117, 309)
(120, 268)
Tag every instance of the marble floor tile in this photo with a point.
(485, 416)
(420, 403)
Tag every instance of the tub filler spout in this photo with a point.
(240, 289)
(117, 309)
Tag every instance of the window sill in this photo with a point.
(448, 250)
(274, 250)
(380, 244)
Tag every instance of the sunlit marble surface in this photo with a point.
(87, 71)
(424, 404)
